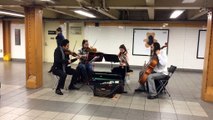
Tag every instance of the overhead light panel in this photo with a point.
(176, 14)
(84, 13)
(50, 1)
(46, 0)
(11, 13)
(188, 1)
(18, 0)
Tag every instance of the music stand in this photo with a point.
(111, 58)
(92, 55)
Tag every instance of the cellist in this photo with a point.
(159, 71)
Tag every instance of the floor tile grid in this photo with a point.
(182, 88)
(14, 98)
(170, 111)
(86, 102)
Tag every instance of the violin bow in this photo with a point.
(74, 46)
(94, 43)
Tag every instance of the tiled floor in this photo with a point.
(20, 103)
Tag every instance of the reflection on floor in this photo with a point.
(20, 103)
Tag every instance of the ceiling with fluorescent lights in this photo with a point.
(136, 10)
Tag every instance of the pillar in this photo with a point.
(33, 31)
(6, 41)
(207, 83)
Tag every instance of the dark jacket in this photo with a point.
(58, 59)
(59, 38)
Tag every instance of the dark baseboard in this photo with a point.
(15, 60)
(140, 67)
(189, 70)
(114, 65)
(18, 60)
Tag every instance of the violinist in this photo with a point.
(85, 67)
(124, 65)
(61, 69)
(160, 71)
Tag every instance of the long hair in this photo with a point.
(83, 42)
(123, 47)
(156, 47)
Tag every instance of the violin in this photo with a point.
(91, 49)
(89, 58)
(68, 52)
(123, 57)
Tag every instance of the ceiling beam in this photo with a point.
(98, 9)
(151, 13)
(198, 15)
(85, 2)
(132, 8)
(64, 13)
(50, 14)
(12, 6)
(150, 2)
(149, 23)
(106, 13)
(151, 10)
(157, 8)
(13, 10)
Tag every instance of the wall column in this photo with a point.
(207, 83)
(6, 41)
(34, 31)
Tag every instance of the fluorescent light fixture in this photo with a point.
(188, 1)
(87, 14)
(11, 13)
(46, 0)
(50, 1)
(176, 14)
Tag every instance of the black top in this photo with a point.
(58, 59)
(59, 39)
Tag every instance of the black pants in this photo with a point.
(121, 70)
(62, 76)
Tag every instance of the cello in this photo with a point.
(150, 67)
